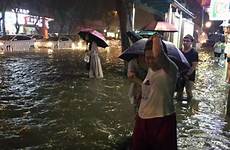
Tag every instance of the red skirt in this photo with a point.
(155, 133)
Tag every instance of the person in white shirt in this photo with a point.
(217, 51)
(155, 127)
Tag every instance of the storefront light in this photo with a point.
(208, 24)
(49, 44)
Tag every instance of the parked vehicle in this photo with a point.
(10, 43)
(62, 42)
(36, 37)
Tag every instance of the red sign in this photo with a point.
(205, 3)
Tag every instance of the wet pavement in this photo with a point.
(47, 101)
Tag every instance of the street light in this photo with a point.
(208, 24)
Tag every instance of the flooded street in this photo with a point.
(47, 101)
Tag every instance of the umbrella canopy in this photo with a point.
(93, 35)
(173, 53)
(177, 56)
(134, 50)
(160, 26)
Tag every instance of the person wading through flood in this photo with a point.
(94, 64)
(155, 126)
(192, 56)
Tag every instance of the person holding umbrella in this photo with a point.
(155, 126)
(95, 68)
(95, 39)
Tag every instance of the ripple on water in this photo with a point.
(48, 99)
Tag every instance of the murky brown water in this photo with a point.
(47, 101)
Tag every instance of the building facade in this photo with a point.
(28, 24)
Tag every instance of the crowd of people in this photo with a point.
(154, 81)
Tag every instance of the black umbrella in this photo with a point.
(173, 53)
(134, 50)
(93, 35)
(133, 36)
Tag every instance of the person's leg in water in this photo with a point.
(179, 95)
(180, 88)
(189, 85)
(215, 57)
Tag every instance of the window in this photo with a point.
(64, 39)
(6, 37)
(20, 37)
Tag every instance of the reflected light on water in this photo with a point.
(48, 102)
(80, 45)
(50, 51)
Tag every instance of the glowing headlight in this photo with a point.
(37, 44)
(49, 44)
(73, 46)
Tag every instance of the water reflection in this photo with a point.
(47, 101)
(204, 126)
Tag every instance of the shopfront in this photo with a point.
(182, 18)
(173, 12)
(28, 24)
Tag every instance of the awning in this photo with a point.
(160, 7)
(155, 6)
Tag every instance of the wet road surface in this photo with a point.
(47, 101)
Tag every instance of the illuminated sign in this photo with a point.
(205, 3)
(21, 11)
(219, 10)
(31, 20)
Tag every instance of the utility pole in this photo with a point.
(202, 19)
(133, 16)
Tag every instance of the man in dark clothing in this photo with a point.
(192, 57)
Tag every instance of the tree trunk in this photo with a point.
(122, 13)
(3, 22)
(121, 6)
(17, 26)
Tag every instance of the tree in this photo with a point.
(3, 7)
(123, 11)
(17, 26)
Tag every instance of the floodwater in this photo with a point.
(47, 101)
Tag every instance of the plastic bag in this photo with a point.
(86, 58)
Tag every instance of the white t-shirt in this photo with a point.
(217, 47)
(157, 94)
(227, 49)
